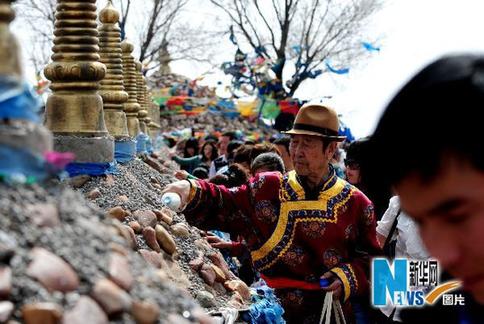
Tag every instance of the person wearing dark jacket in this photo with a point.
(440, 184)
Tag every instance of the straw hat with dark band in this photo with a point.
(317, 120)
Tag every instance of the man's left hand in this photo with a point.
(336, 285)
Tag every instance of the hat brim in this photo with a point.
(306, 132)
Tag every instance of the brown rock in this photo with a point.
(53, 272)
(208, 274)
(219, 261)
(202, 244)
(94, 193)
(6, 309)
(135, 226)
(118, 248)
(150, 236)
(238, 286)
(180, 230)
(165, 240)
(154, 180)
(119, 271)
(111, 298)
(218, 287)
(79, 181)
(152, 163)
(86, 311)
(145, 218)
(126, 232)
(196, 264)
(152, 257)
(163, 216)
(123, 198)
(132, 237)
(5, 282)
(118, 213)
(42, 313)
(43, 215)
(109, 180)
(219, 274)
(145, 312)
(236, 297)
(159, 215)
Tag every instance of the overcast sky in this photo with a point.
(414, 32)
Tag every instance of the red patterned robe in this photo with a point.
(294, 240)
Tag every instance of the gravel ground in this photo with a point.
(84, 239)
(137, 181)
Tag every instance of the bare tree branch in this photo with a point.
(319, 29)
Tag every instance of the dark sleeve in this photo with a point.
(213, 207)
(356, 273)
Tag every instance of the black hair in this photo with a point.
(201, 172)
(211, 138)
(258, 149)
(242, 154)
(283, 141)
(234, 176)
(231, 147)
(229, 134)
(357, 150)
(192, 142)
(443, 103)
(213, 144)
(271, 161)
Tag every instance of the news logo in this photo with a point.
(409, 283)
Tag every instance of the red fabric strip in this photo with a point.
(283, 283)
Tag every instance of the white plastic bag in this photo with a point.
(330, 305)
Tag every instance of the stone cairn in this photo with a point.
(74, 110)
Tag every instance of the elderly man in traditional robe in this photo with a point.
(302, 226)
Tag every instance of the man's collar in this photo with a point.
(323, 185)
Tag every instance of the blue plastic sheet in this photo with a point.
(265, 308)
(141, 143)
(149, 145)
(92, 169)
(124, 151)
(18, 165)
(18, 100)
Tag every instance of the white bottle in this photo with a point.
(172, 200)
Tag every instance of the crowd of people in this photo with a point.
(307, 206)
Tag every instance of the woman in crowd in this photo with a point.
(355, 155)
(209, 153)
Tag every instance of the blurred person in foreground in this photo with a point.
(302, 226)
(441, 184)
